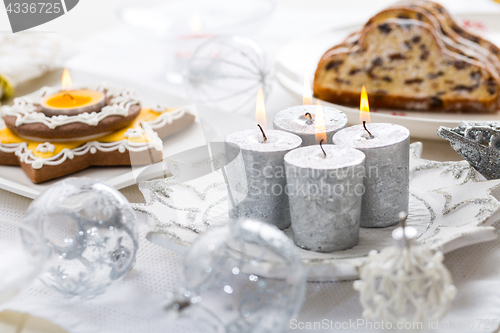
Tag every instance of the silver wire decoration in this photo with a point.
(226, 73)
(478, 143)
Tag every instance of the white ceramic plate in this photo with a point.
(299, 58)
(13, 179)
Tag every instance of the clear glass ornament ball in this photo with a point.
(242, 277)
(227, 72)
(92, 232)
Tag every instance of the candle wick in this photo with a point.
(366, 129)
(66, 94)
(263, 134)
(321, 146)
(310, 121)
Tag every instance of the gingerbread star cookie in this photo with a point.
(139, 142)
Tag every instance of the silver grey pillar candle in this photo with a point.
(325, 196)
(294, 120)
(386, 168)
(255, 175)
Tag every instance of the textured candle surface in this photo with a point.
(387, 170)
(383, 135)
(255, 175)
(325, 196)
(294, 120)
(254, 140)
(336, 157)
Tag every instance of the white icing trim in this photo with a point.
(25, 112)
(26, 156)
(10, 148)
(132, 133)
(169, 117)
(46, 147)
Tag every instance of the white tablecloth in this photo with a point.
(134, 304)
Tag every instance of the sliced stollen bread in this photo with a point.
(452, 41)
(426, 76)
(452, 29)
(459, 30)
(475, 51)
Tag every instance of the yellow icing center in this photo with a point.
(68, 101)
(8, 137)
(73, 99)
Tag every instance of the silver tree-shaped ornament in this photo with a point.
(478, 143)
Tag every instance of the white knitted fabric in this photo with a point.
(134, 304)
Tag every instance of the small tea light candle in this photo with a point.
(325, 189)
(184, 47)
(255, 175)
(301, 120)
(73, 102)
(386, 182)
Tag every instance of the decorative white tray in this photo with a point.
(451, 206)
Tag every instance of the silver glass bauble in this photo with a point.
(242, 277)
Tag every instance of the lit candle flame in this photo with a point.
(66, 83)
(260, 109)
(307, 96)
(195, 23)
(319, 120)
(364, 107)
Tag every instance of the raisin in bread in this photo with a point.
(475, 52)
(452, 29)
(426, 76)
